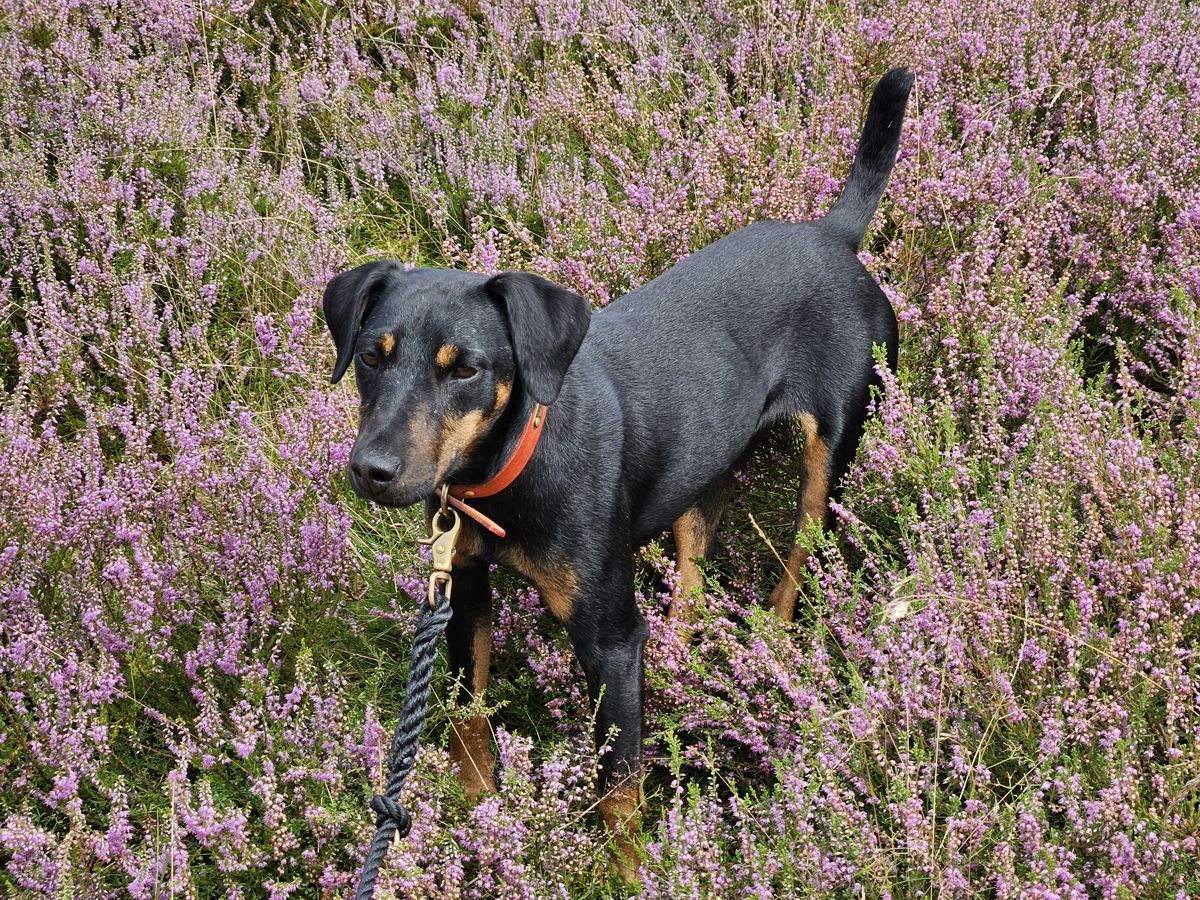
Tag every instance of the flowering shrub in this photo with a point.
(992, 684)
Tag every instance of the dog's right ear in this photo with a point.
(346, 299)
(547, 323)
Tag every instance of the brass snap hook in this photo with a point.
(443, 540)
(443, 514)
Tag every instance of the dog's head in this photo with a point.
(437, 356)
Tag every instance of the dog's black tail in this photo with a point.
(874, 160)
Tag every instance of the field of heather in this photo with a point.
(992, 687)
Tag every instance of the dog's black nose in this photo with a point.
(373, 471)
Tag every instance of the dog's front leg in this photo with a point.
(468, 651)
(608, 633)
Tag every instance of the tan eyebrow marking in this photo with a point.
(446, 355)
(387, 344)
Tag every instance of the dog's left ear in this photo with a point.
(346, 300)
(547, 323)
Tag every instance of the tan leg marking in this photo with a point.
(694, 535)
(471, 753)
(814, 500)
(692, 538)
(558, 587)
(446, 355)
(387, 344)
(621, 809)
(783, 597)
(471, 738)
(556, 583)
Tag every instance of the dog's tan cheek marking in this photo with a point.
(446, 355)
(421, 437)
(503, 392)
(458, 434)
(387, 344)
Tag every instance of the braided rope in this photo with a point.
(391, 818)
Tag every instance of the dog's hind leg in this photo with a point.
(812, 505)
(468, 651)
(694, 533)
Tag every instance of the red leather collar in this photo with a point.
(506, 476)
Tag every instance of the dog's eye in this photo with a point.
(464, 372)
(369, 359)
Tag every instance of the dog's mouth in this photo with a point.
(394, 494)
(398, 502)
(398, 495)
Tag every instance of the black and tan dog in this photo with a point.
(651, 403)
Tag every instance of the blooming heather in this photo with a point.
(992, 686)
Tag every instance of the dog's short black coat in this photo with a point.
(653, 400)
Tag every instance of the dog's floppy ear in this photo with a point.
(547, 323)
(345, 303)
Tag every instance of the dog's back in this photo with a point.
(775, 320)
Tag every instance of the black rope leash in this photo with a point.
(392, 818)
